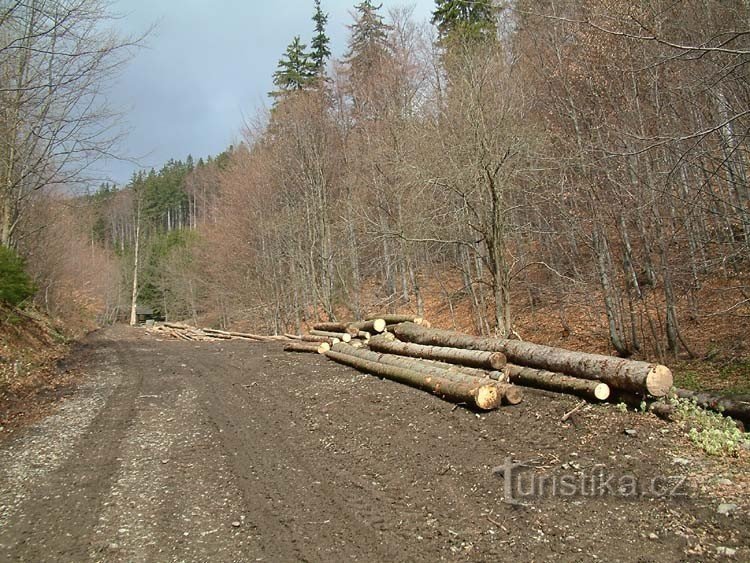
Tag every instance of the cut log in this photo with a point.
(397, 319)
(235, 334)
(495, 375)
(628, 375)
(335, 327)
(343, 336)
(478, 394)
(738, 409)
(309, 347)
(313, 338)
(364, 335)
(471, 358)
(178, 326)
(373, 325)
(292, 336)
(514, 395)
(550, 381)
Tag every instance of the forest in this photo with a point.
(552, 170)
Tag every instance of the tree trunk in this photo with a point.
(509, 393)
(134, 294)
(396, 319)
(308, 347)
(472, 358)
(481, 394)
(551, 381)
(313, 338)
(495, 375)
(619, 373)
(336, 327)
(374, 325)
(343, 336)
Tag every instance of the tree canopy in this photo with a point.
(467, 19)
(295, 71)
(368, 40)
(320, 52)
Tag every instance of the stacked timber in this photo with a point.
(463, 368)
(355, 333)
(470, 377)
(619, 373)
(308, 347)
(481, 394)
(186, 332)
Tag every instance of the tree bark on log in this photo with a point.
(738, 409)
(371, 326)
(398, 319)
(238, 334)
(313, 338)
(494, 375)
(558, 382)
(336, 327)
(471, 358)
(481, 395)
(343, 336)
(628, 375)
(309, 347)
(510, 394)
(292, 336)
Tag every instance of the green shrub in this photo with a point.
(15, 284)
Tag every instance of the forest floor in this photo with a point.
(236, 451)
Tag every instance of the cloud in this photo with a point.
(206, 65)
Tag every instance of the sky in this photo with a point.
(207, 66)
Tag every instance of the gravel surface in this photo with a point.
(235, 451)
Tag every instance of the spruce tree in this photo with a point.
(465, 19)
(295, 70)
(15, 284)
(320, 51)
(369, 38)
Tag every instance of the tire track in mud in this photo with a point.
(83, 463)
(179, 451)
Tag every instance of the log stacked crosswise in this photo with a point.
(460, 367)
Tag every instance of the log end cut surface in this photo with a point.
(512, 394)
(601, 391)
(659, 381)
(488, 397)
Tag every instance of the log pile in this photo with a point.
(186, 332)
(468, 377)
(462, 368)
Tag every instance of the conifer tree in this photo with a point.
(467, 19)
(15, 284)
(320, 50)
(368, 41)
(295, 70)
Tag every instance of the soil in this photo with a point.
(237, 451)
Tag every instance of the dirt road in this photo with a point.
(178, 451)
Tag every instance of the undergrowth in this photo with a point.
(713, 432)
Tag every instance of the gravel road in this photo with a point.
(236, 451)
